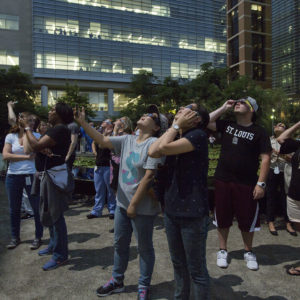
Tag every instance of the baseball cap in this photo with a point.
(251, 102)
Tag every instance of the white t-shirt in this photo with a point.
(23, 166)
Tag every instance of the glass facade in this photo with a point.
(286, 45)
(112, 40)
(9, 22)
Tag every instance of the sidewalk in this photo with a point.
(91, 260)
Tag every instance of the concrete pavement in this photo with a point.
(91, 261)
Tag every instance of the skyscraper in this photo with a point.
(249, 40)
(100, 44)
(286, 46)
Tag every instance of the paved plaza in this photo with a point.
(91, 261)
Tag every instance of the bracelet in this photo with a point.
(27, 128)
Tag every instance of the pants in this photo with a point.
(187, 246)
(142, 226)
(14, 187)
(59, 239)
(274, 197)
(103, 189)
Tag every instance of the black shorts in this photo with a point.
(234, 199)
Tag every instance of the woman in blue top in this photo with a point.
(20, 175)
(186, 201)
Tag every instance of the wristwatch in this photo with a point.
(261, 184)
(27, 128)
(176, 127)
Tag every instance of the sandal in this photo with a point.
(293, 271)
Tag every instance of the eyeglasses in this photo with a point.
(280, 125)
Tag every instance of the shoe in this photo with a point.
(111, 216)
(26, 216)
(274, 232)
(143, 293)
(53, 264)
(91, 216)
(111, 287)
(13, 244)
(293, 271)
(36, 244)
(222, 259)
(45, 251)
(293, 233)
(250, 258)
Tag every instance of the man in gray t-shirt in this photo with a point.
(133, 165)
(70, 158)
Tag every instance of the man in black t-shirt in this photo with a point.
(237, 186)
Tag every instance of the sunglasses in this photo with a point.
(153, 117)
(190, 106)
(244, 102)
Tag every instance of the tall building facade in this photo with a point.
(249, 40)
(101, 44)
(286, 46)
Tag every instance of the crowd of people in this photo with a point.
(161, 165)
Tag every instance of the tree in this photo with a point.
(74, 97)
(15, 86)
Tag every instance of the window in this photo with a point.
(98, 101)
(234, 18)
(120, 101)
(9, 22)
(234, 50)
(258, 72)
(258, 47)
(257, 18)
(9, 58)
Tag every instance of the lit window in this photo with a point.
(9, 58)
(9, 22)
(256, 7)
(98, 101)
(120, 101)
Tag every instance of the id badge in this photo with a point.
(28, 180)
(276, 170)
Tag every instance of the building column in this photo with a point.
(110, 98)
(44, 95)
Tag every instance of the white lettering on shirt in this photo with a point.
(240, 133)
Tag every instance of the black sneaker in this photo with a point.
(111, 216)
(111, 287)
(36, 244)
(143, 293)
(13, 244)
(91, 216)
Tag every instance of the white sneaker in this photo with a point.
(222, 259)
(250, 258)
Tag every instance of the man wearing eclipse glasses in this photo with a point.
(237, 186)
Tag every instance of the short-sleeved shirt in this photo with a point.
(241, 147)
(134, 161)
(74, 128)
(290, 146)
(62, 137)
(19, 167)
(186, 186)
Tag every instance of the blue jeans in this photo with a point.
(14, 187)
(103, 189)
(59, 239)
(187, 246)
(143, 229)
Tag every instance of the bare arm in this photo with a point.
(140, 193)
(41, 144)
(213, 116)
(74, 139)
(94, 149)
(8, 155)
(288, 133)
(259, 192)
(100, 139)
(12, 119)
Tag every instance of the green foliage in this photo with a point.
(211, 88)
(16, 86)
(73, 97)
